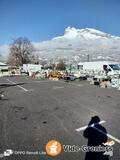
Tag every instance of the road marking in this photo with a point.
(108, 135)
(58, 87)
(84, 127)
(92, 110)
(17, 85)
(93, 125)
(78, 85)
(30, 90)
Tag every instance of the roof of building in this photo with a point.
(2, 64)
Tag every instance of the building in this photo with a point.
(3, 69)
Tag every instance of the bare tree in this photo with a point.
(43, 62)
(60, 65)
(21, 52)
(36, 59)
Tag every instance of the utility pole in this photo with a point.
(88, 58)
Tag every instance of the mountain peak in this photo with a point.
(86, 33)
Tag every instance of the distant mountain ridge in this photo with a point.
(76, 44)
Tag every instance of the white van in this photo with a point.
(108, 67)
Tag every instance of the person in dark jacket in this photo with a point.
(96, 135)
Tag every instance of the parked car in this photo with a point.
(70, 77)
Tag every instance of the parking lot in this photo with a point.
(32, 112)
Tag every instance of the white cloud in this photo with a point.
(4, 50)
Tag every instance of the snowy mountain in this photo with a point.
(76, 44)
(87, 33)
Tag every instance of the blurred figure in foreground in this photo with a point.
(96, 135)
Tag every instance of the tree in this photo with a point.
(43, 62)
(52, 66)
(21, 52)
(35, 59)
(60, 65)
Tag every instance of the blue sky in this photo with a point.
(41, 20)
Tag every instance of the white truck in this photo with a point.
(32, 67)
(108, 68)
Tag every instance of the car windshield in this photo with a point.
(115, 66)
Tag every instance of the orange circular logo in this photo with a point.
(53, 148)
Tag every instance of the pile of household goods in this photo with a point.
(55, 75)
(106, 81)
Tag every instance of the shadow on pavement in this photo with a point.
(96, 135)
(5, 85)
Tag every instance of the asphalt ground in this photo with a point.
(32, 112)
